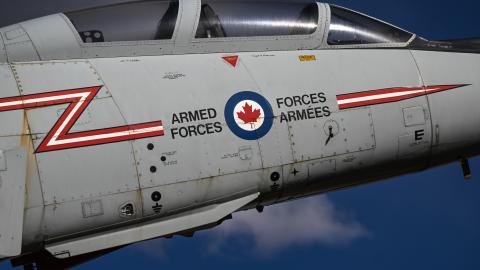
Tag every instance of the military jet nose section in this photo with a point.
(455, 113)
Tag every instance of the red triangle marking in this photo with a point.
(232, 60)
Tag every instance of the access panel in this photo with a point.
(341, 133)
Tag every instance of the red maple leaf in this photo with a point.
(249, 116)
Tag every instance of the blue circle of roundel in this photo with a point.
(232, 124)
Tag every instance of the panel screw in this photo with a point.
(153, 169)
(150, 146)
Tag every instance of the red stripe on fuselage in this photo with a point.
(375, 97)
(58, 138)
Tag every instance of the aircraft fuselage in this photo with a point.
(100, 152)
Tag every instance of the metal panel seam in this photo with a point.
(432, 129)
(257, 85)
(19, 87)
(135, 161)
(31, 41)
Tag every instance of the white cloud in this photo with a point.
(308, 221)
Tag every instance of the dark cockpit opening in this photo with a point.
(209, 25)
(134, 21)
(351, 28)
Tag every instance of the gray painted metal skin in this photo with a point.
(75, 199)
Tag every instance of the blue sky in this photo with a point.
(427, 220)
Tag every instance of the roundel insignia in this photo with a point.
(249, 115)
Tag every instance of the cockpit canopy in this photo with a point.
(157, 20)
(163, 27)
(244, 19)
